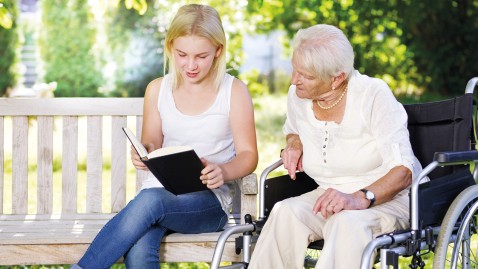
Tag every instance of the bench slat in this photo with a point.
(54, 217)
(44, 254)
(2, 170)
(45, 165)
(20, 165)
(69, 164)
(68, 217)
(53, 234)
(71, 253)
(75, 228)
(71, 106)
(59, 237)
(94, 164)
(118, 167)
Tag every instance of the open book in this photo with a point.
(177, 168)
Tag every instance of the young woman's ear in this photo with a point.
(218, 51)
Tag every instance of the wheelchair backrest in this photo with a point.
(283, 187)
(440, 126)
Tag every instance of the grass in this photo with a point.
(270, 114)
(199, 265)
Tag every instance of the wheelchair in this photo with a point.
(443, 198)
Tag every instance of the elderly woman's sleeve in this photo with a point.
(290, 125)
(389, 127)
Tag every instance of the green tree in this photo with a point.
(6, 20)
(232, 15)
(134, 43)
(410, 44)
(66, 40)
(141, 6)
(442, 39)
(370, 25)
(8, 44)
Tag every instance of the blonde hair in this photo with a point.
(324, 51)
(199, 20)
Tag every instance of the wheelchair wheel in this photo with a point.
(457, 242)
(311, 257)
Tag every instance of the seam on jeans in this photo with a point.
(196, 211)
(224, 215)
(219, 226)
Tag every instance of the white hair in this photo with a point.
(324, 51)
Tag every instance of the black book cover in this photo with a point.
(177, 168)
(178, 172)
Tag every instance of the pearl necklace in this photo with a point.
(334, 104)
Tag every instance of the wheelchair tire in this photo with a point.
(311, 257)
(457, 242)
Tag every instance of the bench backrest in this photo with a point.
(58, 124)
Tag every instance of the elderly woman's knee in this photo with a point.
(283, 209)
(349, 220)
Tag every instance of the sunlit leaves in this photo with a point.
(373, 27)
(139, 5)
(6, 20)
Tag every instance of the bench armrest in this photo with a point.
(247, 202)
(249, 185)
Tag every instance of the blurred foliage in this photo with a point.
(413, 44)
(67, 37)
(139, 5)
(135, 42)
(276, 81)
(256, 82)
(6, 18)
(233, 18)
(442, 36)
(8, 44)
(134, 52)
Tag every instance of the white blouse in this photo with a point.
(371, 139)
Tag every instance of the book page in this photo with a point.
(136, 143)
(168, 151)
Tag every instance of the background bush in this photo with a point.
(8, 47)
(414, 45)
(66, 43)
(134, 48)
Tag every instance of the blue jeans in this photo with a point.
(136, 231)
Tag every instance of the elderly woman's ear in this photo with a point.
(338, 80)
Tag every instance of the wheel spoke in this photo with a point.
(457, 243)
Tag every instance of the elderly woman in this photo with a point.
(348, 132)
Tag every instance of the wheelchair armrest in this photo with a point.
(456, 156)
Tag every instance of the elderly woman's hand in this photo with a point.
(292, 155)
(334, 201)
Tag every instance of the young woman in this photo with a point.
(199, 105)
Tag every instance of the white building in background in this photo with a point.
(29, 73)
(265, 53)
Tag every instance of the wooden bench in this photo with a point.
(51, 208)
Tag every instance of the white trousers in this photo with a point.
(291, 226)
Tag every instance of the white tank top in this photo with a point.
(209, 133)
